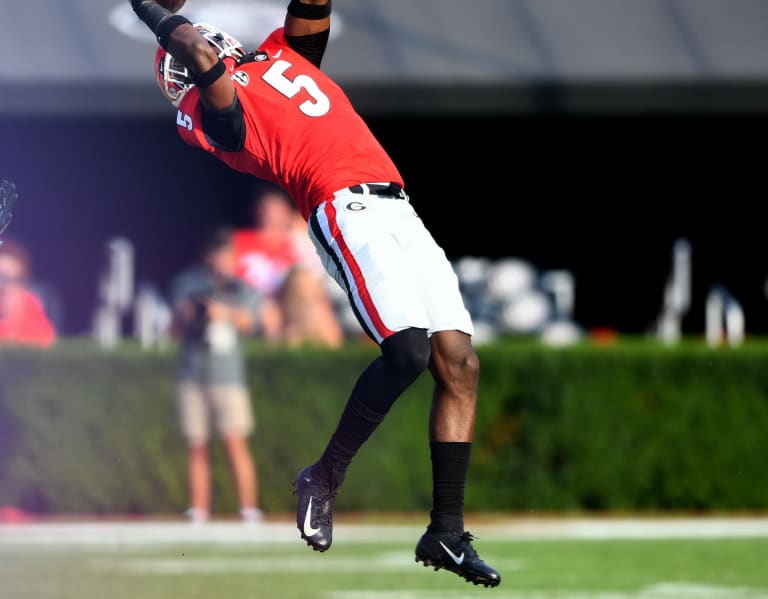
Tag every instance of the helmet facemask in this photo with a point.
(174, 78)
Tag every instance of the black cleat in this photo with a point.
(314, 514)
(454, 552)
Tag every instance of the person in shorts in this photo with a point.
(213, 311)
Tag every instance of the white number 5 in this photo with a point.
(276, 78)
(184, 120)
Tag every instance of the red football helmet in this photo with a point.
(175, 79)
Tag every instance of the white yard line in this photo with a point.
(633, 528)
(656, 591)
(385, 561)
(69, 534)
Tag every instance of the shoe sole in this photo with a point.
(429, 562)
(303, 536)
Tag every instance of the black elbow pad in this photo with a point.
(225, 129)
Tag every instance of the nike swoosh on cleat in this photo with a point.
(458, 560)
(309, 531)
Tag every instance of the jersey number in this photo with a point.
(184, 120)
(318, 106)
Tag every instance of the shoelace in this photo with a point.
(324, 516)
(465, 540)
(325, 494)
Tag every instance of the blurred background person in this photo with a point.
(213, 310)
(23, 317)
(276, 257)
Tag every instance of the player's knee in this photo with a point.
(468, 365)
(458, 365)
(407, 351)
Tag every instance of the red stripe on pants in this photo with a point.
(357, 274)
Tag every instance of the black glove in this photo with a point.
(150, 12)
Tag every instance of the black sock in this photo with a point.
(355, 426)
(404, 357)
(450, 463)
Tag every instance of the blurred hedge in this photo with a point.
(635, 426)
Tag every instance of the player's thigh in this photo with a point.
(365, 248)
(435, 279)
(233, 413)
(193, 411)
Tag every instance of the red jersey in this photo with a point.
(301, 129)
(261, 262)
(26, 323)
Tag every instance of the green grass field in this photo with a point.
(228, 561)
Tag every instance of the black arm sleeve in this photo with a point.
(225, 129)
(312, 47)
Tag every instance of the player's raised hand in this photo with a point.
(8, 197)
(172, 5)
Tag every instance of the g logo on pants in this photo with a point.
(355, 207)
